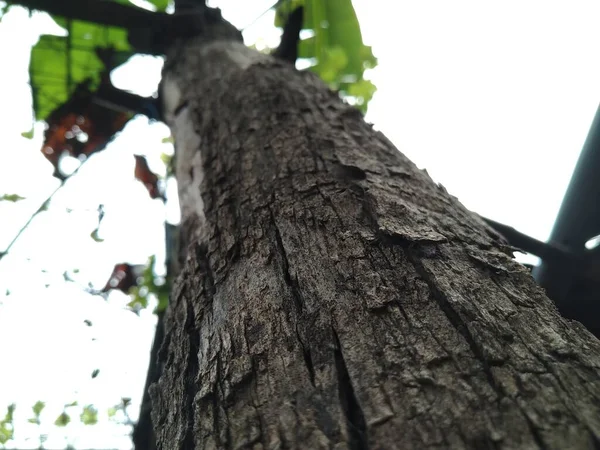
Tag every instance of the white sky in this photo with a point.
(494, 99)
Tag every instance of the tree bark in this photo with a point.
(334, 296)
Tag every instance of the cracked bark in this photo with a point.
(336, 297)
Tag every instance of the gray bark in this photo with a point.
(335, 297)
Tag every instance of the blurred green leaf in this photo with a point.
(6, 432)
(38, 407)
(160, 5)
(95, 373)
(163, 302)
(138, 300)
(70, 405)
(111, 412)
(148, 284)
(59, 63)
(27, 134)
(94, 235)
(11, 198)
(168, 161)
(4, 9)
(6, 425)
(10, 410)
(335, 50)
(89, 416)
(62, 420)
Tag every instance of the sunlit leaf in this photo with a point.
(6, 424)
(94, 235)
(11, 198)
(38, 407)
(59, 63)
(10, 410)
(163, 302)
(6, 432)
(335, 49)
(4, 7)
(62, 420)
(27, 134)
(89, 415)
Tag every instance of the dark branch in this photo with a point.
(547, 251)
(149, 32)
(288, 47)
(117, 99)
(100, 12)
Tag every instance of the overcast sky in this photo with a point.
(494, 99)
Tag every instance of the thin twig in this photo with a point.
(39, 210)
(274, 5)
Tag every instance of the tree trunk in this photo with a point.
(335, 297)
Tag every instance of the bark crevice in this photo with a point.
(355, 417)
(455, 319)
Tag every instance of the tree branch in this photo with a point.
(39, 210)
(97, 11)
(547, 251)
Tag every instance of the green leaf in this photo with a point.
(62, 420)
(38, 407)
(168, 161)
(59, 63)
(89, 416)
(11, 198)
(95, 373)
(336, 49)
(27, 134)
(163, 302)
(94, 235)
(161, 5)
(6, 432)
(10, 410)
(44, 206)
(111, 412)
(4, 9)
(70, 405)
(6, 425)
(138, 301)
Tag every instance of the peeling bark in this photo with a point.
(335, 297)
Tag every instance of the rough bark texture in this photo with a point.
(335, 297)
